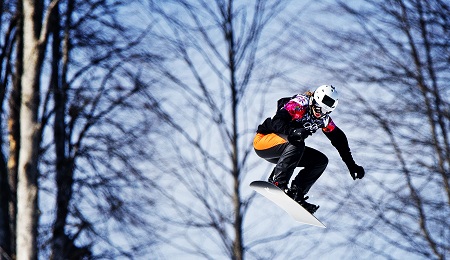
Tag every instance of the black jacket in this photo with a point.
(295, 113)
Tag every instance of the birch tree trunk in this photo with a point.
(35, 37)
(27, 190)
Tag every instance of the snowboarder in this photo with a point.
(281, 140)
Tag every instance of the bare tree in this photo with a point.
(91, 114)
(218, 69)
(14, 123)
(35, 32)
(395, 57)
(6, 64)
(99, 134)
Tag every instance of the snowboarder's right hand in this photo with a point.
(297, 135)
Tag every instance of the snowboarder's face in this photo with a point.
(317, 111)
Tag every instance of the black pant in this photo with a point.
(287, 157)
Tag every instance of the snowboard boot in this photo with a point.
(280, 180)
(282, 184)
(298, 195)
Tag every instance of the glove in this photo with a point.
(297, 135)
(356, 171)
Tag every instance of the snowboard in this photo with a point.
(282, 200)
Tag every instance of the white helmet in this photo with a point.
(324, 100)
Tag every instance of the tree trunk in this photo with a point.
(14, 130)
(27, 190)
(27, 185)
(5, 240)
(62, 247)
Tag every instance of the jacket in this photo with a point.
(295, 113)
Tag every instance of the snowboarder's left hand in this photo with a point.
(356, 171)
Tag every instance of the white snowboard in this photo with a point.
(281, 199)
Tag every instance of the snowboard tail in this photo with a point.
(282, 200)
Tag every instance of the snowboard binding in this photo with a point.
(294, 192)
(279, 182)
(298, 195)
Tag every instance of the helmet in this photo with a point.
(324, 100)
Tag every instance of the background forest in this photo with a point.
(127, 127)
